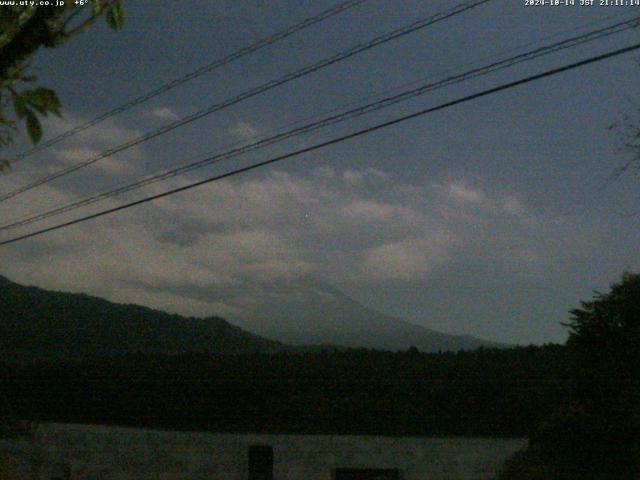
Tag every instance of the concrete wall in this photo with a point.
(107, 453)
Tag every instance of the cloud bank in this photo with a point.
(205, 251)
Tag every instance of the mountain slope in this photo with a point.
(37, 323)
(315, 313)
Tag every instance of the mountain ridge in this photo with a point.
(313, 312)
(37, 324)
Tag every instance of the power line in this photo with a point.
(334, 141)
(395, 34)
(260, 44)
(331, 120)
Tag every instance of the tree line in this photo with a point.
(481, 392)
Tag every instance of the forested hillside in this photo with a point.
(482, 392)
(41, 324)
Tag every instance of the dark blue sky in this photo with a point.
(492, 218)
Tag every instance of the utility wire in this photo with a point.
(334, 141)
(260, 44)
(331, 120)
(400, 32)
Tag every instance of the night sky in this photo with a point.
(491, 218)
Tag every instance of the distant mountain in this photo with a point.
(37, 324)
(314, 313)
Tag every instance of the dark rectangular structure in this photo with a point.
(366, 474)
(260, 462)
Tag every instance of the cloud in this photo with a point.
(461, 193)
(352, 177)
(87, 144)
(208, 250)
(362, 210)
(244, 131)
(459, 199)
(409, 259)
(513, 206)
(101, 175)
(164, 113)
(367, 210)
(108, 165)
(107, 132)
(357, 177)
(324, 172)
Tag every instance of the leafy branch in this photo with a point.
(23, 31)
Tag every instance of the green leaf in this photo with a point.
(43, 99)
(98, 6)
(19, 105)
(8, 25)
(35, 101)
(4, 120)
(115, 16)
(34, 129)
